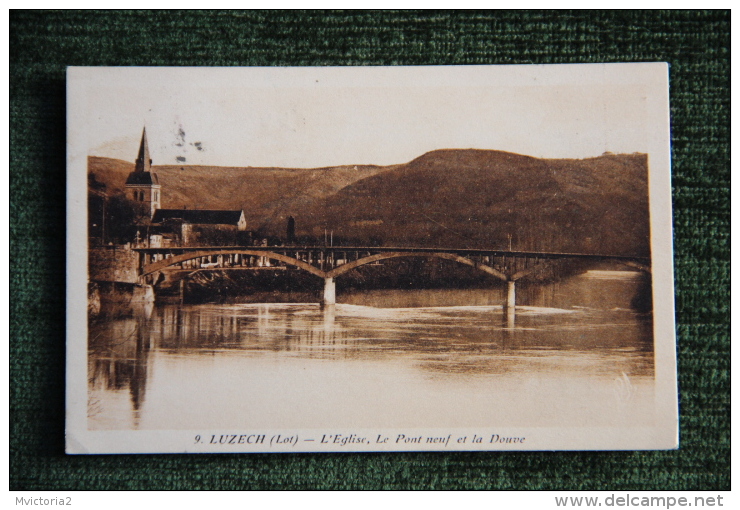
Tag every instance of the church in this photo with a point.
(142, 185)
(179, 227)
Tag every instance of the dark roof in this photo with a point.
(198, 216)
(142, 178)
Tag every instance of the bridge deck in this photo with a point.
(177, 250)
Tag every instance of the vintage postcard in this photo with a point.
(370, 259)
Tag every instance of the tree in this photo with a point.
(123, 218)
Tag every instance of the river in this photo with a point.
(575, 353)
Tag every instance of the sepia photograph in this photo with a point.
(370, 259)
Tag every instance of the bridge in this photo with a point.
(329, 263)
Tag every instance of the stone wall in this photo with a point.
(113, 264)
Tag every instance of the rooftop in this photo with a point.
(201, 216)
(142, 178)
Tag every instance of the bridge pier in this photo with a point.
(510, 295)
(330, 296)
(510, 306)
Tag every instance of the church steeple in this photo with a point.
(143, 161)
(142, 184)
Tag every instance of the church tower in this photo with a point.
(142, 185)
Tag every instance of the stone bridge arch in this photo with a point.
(177, 259)
(333, 273)
(645, 268)
(344, 268)
(327, 276)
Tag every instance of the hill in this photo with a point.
(477, 199)
(111, 172)
(452, 197)
(267, 195)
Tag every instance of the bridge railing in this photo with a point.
(332, 261)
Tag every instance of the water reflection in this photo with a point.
(118, 360)
(180, 366)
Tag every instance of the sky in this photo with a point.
(313, 117)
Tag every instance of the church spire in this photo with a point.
(142, 184)
(143, 162)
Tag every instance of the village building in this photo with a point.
(178, 227)
(197, 227)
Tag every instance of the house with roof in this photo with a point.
(198, 227)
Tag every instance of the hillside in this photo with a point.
(267, 195)
(453, 197)
(111, 172)
(474, 199)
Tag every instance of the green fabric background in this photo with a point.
(696, 44)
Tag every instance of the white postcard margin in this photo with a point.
(663, 435)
